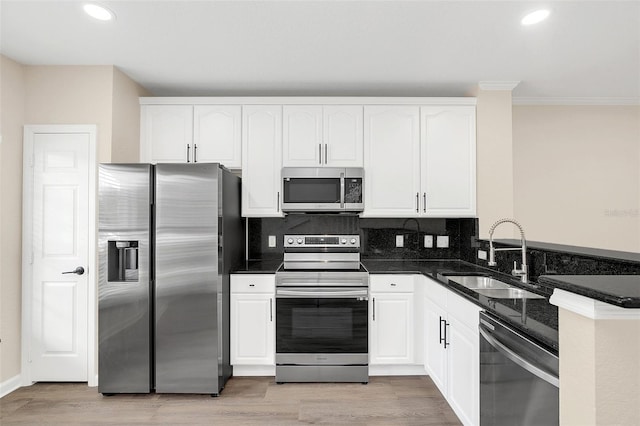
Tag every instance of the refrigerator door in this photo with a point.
(124, 290)
(188, 284)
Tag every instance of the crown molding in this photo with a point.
(498, 85)
(577, 101)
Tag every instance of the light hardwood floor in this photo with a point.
(407, 400)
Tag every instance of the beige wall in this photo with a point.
(125, 136)
(72, 95)
(494, 162)
(577, 174)
(100, 95)
(12, 94)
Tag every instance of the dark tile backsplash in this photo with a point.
(378, 236)
(259, 230)
(547, 262)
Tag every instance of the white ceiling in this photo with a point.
(585, 50)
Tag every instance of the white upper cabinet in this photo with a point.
(342, 126)
(191, 134)
(420, 161)
(319, 136)
(166, 133)
(448, 155)
(302, 136)
(391, 160)
(261, 160)
(217, 134)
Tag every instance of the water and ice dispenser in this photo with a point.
(122, 261)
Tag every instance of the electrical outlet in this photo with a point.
(482, 254)
(428, 241)
(442, 241)
(272, 240)
(399, 240)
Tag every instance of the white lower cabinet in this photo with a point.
(452, 349)
(253, 324)
(393, 336)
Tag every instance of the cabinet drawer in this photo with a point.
(253, 283)
(391, 283)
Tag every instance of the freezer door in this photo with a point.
(124, 311)
(188, 285)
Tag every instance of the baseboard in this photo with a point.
(396, 370)
(93, 383)
(254, 370)
(10, 385)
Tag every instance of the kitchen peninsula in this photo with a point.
(599, 337)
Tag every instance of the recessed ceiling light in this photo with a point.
(99, 12)
(535, 17)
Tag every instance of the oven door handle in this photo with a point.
(319, 292)
(509, 353)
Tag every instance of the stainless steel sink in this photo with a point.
(508, 293)
(493, 288)
(478, 282)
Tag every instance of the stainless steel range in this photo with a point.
(322, 311)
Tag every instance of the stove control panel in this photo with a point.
(321, 241)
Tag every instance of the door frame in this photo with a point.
(27, 249)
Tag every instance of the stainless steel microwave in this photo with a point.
(322, 189)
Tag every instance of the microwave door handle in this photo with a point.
(341, 190)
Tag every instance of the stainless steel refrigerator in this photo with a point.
(169, 235)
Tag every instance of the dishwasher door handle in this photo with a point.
(503, 349)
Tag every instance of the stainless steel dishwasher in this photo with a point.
(518, 377)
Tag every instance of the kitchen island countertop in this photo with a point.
(618, 290)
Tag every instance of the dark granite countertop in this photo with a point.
(258, 267)
(619, 290)
(535, 317)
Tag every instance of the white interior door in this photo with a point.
(59, 244)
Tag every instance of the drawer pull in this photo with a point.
(393, 284)
(252, 285)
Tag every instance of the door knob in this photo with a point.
(78, 271)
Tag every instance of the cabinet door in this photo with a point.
(217, 134)
(463, 377)
(435, 357)
(302, 136)
(166, 133)
(261, 160)
(343, 139)
(252, 329)
(391, 328)
(448, 156)
(391, 161)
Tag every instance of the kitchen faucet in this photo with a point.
(522, 272)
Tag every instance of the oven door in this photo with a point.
(321, 320)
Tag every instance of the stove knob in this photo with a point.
(353, 241)
(343, 241)
(290, 241)
(299, 240)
